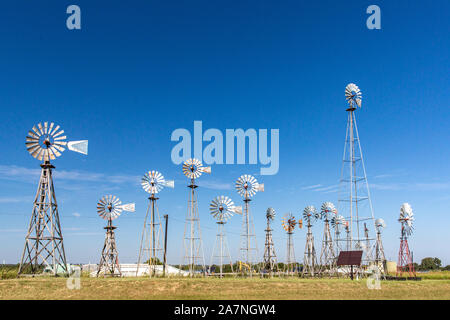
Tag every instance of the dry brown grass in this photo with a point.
(228, 289)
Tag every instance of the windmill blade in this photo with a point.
(129, 207)
(260, 187)
(78, 146)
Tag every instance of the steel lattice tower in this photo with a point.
(222, 208)
(44, 241)
(380, 259)
(109, 261)
(327, 254)
(288, 222)
(151, 241)
(270, 257)
(192, 239)
(310, 215)
(354, 198)
(247, 186)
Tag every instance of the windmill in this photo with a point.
(327, 254)
(288, 222)
(151, 243)
(110, 208)
(354, 197)
(379, 250)
(270, 258)
(337, 222)
(310, 216)
(192, 240)
(222, 208)
(247, 186)
(44, 240)
(405, 261)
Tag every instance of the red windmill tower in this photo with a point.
(405, 262)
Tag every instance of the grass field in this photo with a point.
(228, 289)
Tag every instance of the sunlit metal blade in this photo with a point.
(78, 146)
(261, 187)
(38, 133)
(41, 130)
(56, 134)
(238, 209)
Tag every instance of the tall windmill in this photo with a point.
(327, 254)
(151, 241)
(288, 222)
(222, 208)
(110, 208)
(337, 222)
(405, 262)
(379, 250)
(44, 240)
(354, 198)
(247, 186)
(310, 215)
(270, 257)
(192, 240)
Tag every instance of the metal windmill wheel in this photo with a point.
(193, 168)
(326, 209)
(247, 185)
(270, 213)
(288, 222)
(47, 142)
(110, 207)
(353, 95)
(406, 218)
(337, 221)
(222, 208)
(153, 182)
(380, 224)
(310, 214)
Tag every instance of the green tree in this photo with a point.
(430, 264)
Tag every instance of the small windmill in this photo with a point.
(44, 240)
(192, 240)
(222, 208)
(270, 258)
(337, 222)
(327, 254)
(151, 241)
(110, 208)
(379, 250)
(348, 238)
(310, 215)
(405, 261)
(247, 186)
(288, 222)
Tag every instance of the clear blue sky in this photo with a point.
(137, 70)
